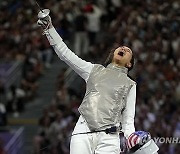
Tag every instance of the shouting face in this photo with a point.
(122, 56)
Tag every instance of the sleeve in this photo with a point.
(80, 66)
(129, 113)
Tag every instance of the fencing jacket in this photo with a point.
(110, 94)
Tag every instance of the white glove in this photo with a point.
(44, 19)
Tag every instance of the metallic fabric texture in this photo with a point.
(106, 96)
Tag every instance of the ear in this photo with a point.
(128, 65)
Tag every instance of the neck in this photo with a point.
(117, 64)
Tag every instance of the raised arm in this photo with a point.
(129, 113)
(80, 66)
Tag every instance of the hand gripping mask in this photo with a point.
(140, 142)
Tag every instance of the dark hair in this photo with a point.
(110, 58)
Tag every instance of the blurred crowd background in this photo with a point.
(91, 29)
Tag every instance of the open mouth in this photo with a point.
(121, 53)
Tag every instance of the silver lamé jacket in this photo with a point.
(106, 96)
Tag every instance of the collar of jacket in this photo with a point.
(118, 68)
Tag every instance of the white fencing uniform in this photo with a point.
(109, 100)
(98, 143)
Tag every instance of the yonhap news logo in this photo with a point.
(168, 140)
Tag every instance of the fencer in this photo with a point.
(110, 97)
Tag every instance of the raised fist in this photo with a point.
(44, 20)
